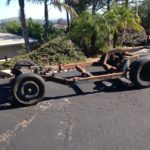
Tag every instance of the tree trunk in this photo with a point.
(68, 21)
(126, 3)
(137, 9)
(23, 25)
(122, 37)
(94, 8)
(115, 39)
(46, 20)
(108, 5)
(93, 45)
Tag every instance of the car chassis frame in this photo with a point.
(117, 63)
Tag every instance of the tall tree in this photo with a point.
(46, 15)
(99, 4)
(67, 16)
(126, 3)
(69, 10)
(23, 22)
(56, 3)
(79, 5)
(108, 4)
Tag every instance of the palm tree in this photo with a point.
(23, 22)
(46, 3)
(89, 32)
(126, 3)
(108, 5)
(119, 19)
(67, 16)
(69, 10)
(55, 3)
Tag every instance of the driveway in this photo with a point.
(92, 116)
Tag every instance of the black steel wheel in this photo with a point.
(28, 89)
(140, 72)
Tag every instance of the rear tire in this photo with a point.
(28, 89)
(140, 72)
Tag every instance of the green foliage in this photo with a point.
(83, 5)
(144, 12)
(14, 27)
(58, 50)
(84, 27)
(35, 29)
(79, 6)
(120, 18)
(54, 33)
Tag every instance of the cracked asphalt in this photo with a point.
(110, 115)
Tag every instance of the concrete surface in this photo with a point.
(93, 116)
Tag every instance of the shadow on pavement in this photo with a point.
(114, 86)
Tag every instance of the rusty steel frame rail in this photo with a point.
(74, 80)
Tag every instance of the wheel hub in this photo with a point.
(29, 90)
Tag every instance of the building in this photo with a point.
(11, 44)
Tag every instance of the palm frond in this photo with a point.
(62, 5)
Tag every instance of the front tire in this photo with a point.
(28, 89)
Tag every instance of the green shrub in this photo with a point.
(58, 50)
(13, 27)
(35, 30)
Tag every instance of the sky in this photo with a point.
(35, 11)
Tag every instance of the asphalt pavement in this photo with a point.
(111, 115)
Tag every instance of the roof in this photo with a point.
(7, 39)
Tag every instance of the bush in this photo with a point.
(35, 29)
(14, 27)
(58, 50)
(134, 38)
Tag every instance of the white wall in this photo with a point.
(9, 51)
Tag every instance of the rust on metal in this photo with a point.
(100, 77)
(87, 63)
(59, 80)
(83, 71)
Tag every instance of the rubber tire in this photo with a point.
(135, 72)
(28, 63)
(17, 86)
(24, 63)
